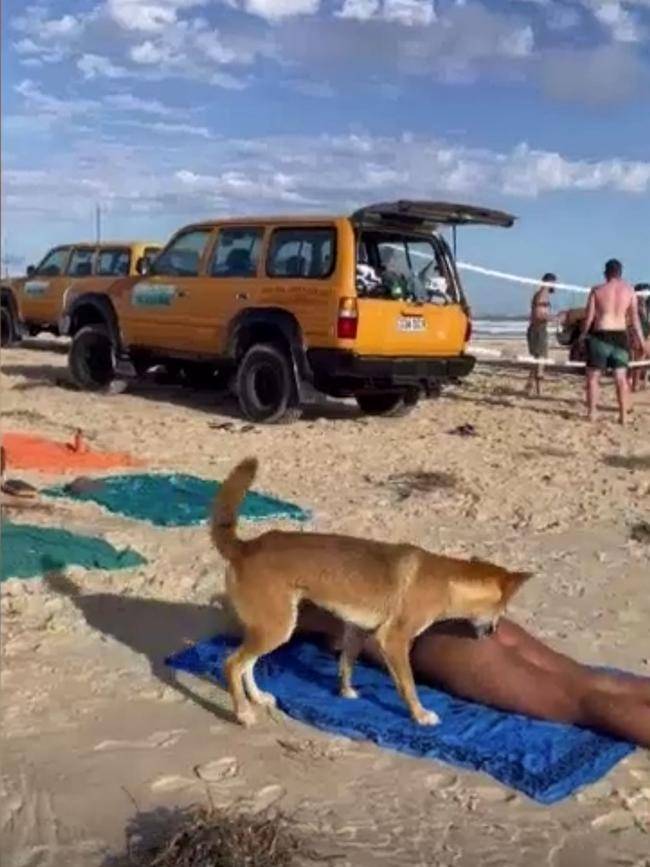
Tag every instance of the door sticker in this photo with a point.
(36, 288)
(152, 295)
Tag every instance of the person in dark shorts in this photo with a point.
(537, 334)
(639, 376)
(612, 309)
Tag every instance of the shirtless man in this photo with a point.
(611, 306)
(514, 672)
(537, 334)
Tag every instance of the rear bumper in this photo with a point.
(340, 363)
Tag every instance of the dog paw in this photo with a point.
(265, 699)
(349, 692)
(427, 717)
(247, 717)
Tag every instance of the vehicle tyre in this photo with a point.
(91, 358)
(388, 404)
(265, 385)
(8, 329)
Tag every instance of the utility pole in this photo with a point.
(98, 223)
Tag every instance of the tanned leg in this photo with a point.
(593, 391)
(622, 394)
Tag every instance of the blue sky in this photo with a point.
(167, 111)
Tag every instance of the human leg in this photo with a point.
(593, 391)
(622, 393)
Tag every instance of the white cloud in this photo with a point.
(50, 106)
(312, 173)
(409, 12)
(94, 66)
(276, 9)
(129, 102)
(359, 10)
(149, 16)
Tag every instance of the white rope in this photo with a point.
(528, 281)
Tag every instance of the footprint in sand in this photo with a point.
(172, 783)
(218, 770)
(156, 740)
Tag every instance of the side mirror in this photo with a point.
(31, 270)
(142, 266)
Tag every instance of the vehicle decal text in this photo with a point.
(36, 288)
(152, 295)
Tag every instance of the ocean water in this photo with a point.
(499, 327)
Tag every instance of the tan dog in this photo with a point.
(394, 591)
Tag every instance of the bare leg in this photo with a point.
(514, 672)
(593, 391)
(537, 653)
(622, 394)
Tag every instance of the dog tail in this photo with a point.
(223, 527)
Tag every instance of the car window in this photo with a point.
(114, 263)
(237, 252)
(303, 252)
(182, 257)
(404, 267)
(54, 263)
(81, 262)
(151, 252)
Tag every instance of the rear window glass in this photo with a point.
(307, 253)
(81, 262)
(402, 267)
(114, 263)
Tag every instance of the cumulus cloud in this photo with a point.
(95, 66)
(314, 173)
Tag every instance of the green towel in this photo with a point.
(27, 551)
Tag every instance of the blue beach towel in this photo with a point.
(546, 761)
(174, 500)
(27, 551)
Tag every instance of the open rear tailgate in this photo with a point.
(416, 212)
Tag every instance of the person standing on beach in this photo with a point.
(638, 377)
(537, 334)
(612, 306)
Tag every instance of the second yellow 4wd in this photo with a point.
(368, 306)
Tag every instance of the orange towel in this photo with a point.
(28, 452)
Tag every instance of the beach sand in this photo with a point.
(96, 730)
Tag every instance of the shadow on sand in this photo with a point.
(150, 627)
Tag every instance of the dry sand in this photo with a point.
(94, 725)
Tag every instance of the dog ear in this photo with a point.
(513, 582)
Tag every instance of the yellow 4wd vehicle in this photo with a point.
(368, 306)
(33, 303)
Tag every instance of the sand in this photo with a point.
(94, 726)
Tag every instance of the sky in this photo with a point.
(164, 112)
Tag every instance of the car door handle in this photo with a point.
(242, 296)
(181, 293)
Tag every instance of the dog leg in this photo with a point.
(352, 643)
(256, 695)
(259, 640)
(393, 641)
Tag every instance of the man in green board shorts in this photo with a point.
(611, 306)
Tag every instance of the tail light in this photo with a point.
(348, 319)
(468, 330)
